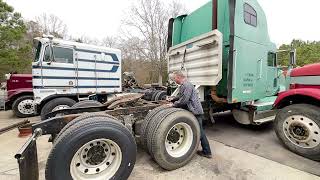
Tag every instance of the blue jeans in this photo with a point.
(203, 138)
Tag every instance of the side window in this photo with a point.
(272, 59)
(47, 55)
(250, 15)
(63, 55)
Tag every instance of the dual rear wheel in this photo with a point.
(171, 136)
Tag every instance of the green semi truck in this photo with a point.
(223, 48)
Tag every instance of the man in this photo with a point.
(188, 99)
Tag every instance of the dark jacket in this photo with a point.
(188, 97)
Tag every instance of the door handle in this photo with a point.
(260, 68)
(234, 85)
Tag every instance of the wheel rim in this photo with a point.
(302, 131)
(98, 159)
(26, 106)
(179, 140)
(60, 107)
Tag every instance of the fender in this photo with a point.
(308, 92)
(12, 93)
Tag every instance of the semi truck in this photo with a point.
(19, 95)
(65, 72)
(223, 48)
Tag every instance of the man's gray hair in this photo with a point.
(178, 73)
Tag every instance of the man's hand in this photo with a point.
(169, 105)
(169, 98)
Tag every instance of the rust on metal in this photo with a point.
(125, 100)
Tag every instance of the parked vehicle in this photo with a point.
(297, 123)
(65, 72)
(224, 49)
(19, 96)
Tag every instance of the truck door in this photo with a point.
(249, 46)
(57, 68)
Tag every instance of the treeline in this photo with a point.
(308, 52)
(142, 38)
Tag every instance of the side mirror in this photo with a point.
(293, 57)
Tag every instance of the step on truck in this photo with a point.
(224, 49)
(19, 95)
(65, 72)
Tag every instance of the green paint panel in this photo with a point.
(200, 22)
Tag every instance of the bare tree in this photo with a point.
(148, 20)
(110, 41)
(51, 24)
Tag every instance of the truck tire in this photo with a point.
(175, 139)
(154, 122)
(83, 117)
(95, 148)
(86, 103)
(146, 123)
(56, 104)
(160, 96)
(154, 94)
(23, 106)
(298, 128)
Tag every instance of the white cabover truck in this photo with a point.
(65, 72)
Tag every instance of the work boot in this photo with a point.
(201, 153)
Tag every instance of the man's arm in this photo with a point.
(185, 94)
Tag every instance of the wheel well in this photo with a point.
(47, 99)
(15, 97)
(298, 99)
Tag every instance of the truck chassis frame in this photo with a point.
(130, 111)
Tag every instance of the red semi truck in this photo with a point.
(297, 122)
(20, 95)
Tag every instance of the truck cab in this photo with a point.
(225, 50)
(65, 72)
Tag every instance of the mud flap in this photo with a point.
(28, 159)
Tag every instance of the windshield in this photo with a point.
(36, 50)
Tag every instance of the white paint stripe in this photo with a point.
(307, 80)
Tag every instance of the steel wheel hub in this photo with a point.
(179, 140)
(302, 131)
(26, 106)
(97, 159)
(60, 107)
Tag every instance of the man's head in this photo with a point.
(178, 77)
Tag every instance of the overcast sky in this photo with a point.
(287, 19)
